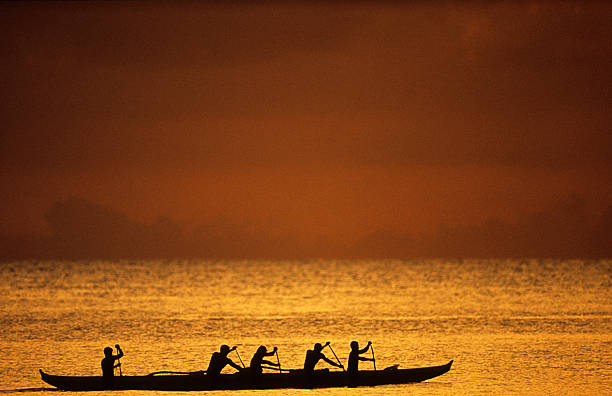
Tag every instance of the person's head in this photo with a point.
(318, 347)
(108, 351)
(354, 345)
(225, 349)
(262, 349)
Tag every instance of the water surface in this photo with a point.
(512, 326)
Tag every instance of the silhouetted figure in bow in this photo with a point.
(258, 359)
(108, 363)
(354, 358)
(314, 355)
(219, 360)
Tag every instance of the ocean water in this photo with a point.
(511, 326)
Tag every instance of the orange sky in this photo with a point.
(318, 125)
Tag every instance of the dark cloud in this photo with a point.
(513, 84)
(567, 231)
(82, 229)
(153, 36)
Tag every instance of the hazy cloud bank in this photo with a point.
(565, 231)
(84, 230)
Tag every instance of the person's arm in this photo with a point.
(271, 352)
(366, 359)
(331, 361)
(269, 362)
(119, 352)
(234, 365)
(364, 350)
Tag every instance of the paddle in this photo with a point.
(373, 359)
(336, 356)
(278, 360)
(241, 362)
(118, 361)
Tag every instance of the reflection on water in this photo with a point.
(511, 326)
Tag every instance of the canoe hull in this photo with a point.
(238, 381)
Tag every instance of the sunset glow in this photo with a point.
(297, 130)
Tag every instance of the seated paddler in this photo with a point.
(314, 355)
(108, 362)
(219, 360)
(258, 359)
(354, 358)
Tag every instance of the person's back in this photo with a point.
(108, 367)
(353, 362)
(312, 358)
(216, 364)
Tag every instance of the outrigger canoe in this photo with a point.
(201, 382)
